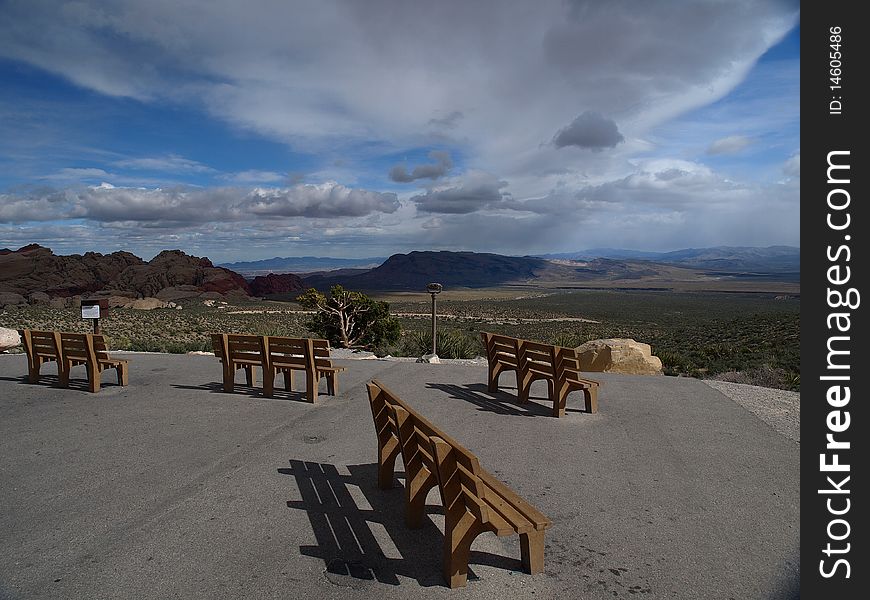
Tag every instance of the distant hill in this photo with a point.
(300, 264)
(414, 270)
(723, 259)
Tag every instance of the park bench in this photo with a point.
(502, 354)
(533, 361)
(274, 355)
(474, 500)
(241, 351)
(40, 347)
(561, 369)
(301, 354)
(89, 350)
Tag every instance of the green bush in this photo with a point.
(450, 343)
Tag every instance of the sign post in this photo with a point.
(94, 309)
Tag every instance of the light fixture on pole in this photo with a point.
(434, 289)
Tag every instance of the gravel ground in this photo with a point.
(780, 409)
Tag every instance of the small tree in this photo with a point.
(349, 319)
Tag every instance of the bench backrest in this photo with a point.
(246, 347)
(219, 345)
(292, 352)
(394, 417)
(101, 350)
(458, 472)
(45, 344)
(321, 353)
(538, 357)
(501, 349)
(77, 347)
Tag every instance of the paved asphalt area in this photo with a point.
(171, 488)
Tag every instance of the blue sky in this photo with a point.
(344, 129)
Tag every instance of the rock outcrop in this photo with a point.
(618, 355)
(36, 273)
(265, 285)
(9, 339)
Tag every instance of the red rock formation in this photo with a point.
(265, 285)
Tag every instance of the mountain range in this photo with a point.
(35, 274)
(300, 264)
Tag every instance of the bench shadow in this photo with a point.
(53, 381)
(216, 387)
(497, 402)
(346, 541)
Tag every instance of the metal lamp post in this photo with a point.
(434, 289)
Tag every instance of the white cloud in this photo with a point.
(344, 73)
(255, 176)
(729, 145)
(792, 167)
(499, 84)
(165, 164)
(180, 206)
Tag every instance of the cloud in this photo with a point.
(78, 174)
(505, 87)
(184, 205)
(255, 176)
(323, 201)
(792, 167)
(589, 130)
(166, 164)
(345, 75)
(449, 121)
(475, 192)
(729, 145)
(439, 168)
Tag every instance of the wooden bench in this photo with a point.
(40, 347)
(219, 347)
(502, 354)
(89, 350)
(243, 352)
(533, 361)
(561, 369)
(474, 500)
(276, 355)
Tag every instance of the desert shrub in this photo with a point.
(349, 319)
(764, 376)
(450, 343)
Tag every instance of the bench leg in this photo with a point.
(63, 369)
(591, 396)
(559, 394)
(311, 386)
(229, 375)
(418, 486)
(532, 552)
(492, 379)
(268, 382)
(93, 378)
(123, 375)
(459, 534)
(33, 372)
(524, 387)
(387, 463)
(288, 380)
(331, 384)
(250, 379)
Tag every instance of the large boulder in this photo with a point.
(9, 339)
(11, 298)
(149, 304)
(618, 355)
